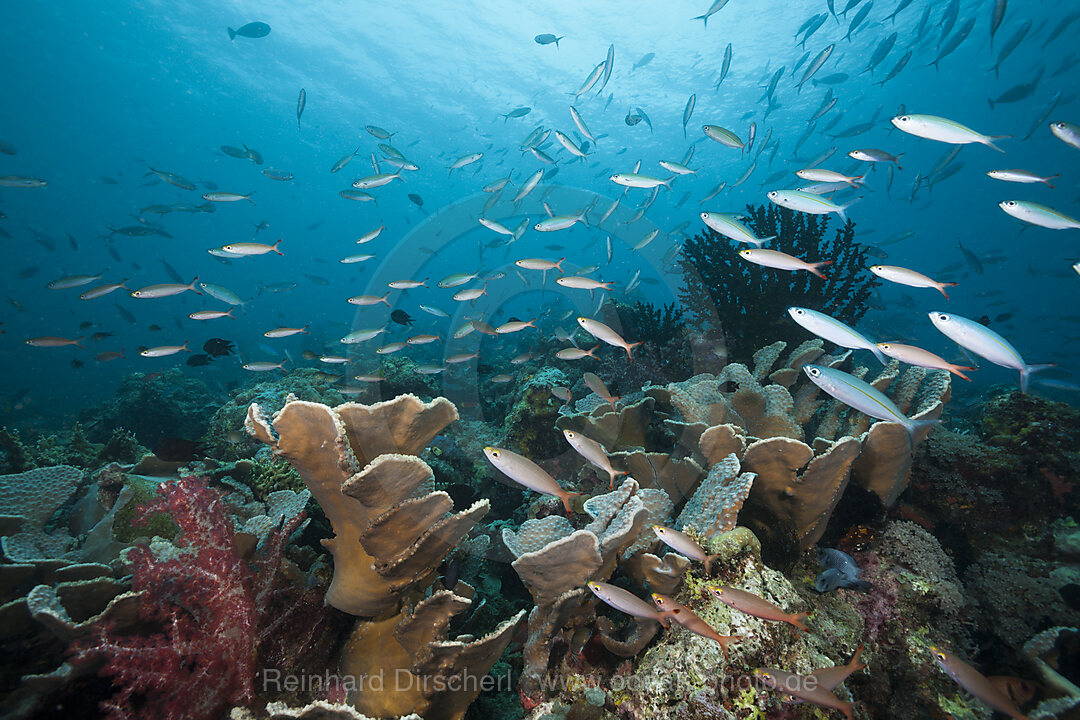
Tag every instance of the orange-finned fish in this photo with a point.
(976, 683)
(595, 453)
(600, 331)
(625, 601)
(804, 687)
(525, 472)
(689, 620)
(684, 544)
(597, 385)
(923, 358)
(831, 677)
(759, 607)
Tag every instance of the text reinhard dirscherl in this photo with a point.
(401, 680)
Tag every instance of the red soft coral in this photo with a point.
(208, 603)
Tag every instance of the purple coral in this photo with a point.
(879, 607)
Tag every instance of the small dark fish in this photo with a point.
(199, 360)
(416, 200)
(234, 152)
(99, 336)
(174, 449)
(517, 113)
(971, 259)
(218, 347)
(28, 272)
(85, 324)
(829, 580)
(315, 225)
(318, 280)
(401, 317)
(251, 30)
(154, 328)
(309, 355)
(171, 272)
(840, 571)
(547, 39)
(77, 364)
(645, 60)
(73, 242)
(209, 184)
(631, 120)
(106, 180)
(984, 320)
(451, 570)
(301, 103)
(876, 252)
(554, 247)
(124, 313)
(1004, 316)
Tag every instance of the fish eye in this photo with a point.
(814, 372)
(939, 655)
(904, 118)
(884, 346)
(800, 311)
(1010, 203)
(943, 317)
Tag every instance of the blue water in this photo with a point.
(101, 90)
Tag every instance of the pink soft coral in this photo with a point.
(208, 603)
(879, 607)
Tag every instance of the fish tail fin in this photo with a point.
(558, 265)
(990, 103)
(955, 370)
(762, 241)
(991, 138)
(192, 285)
(898, 165)
(941, 288)
(709, 560)
(275, 248)
(1026, 373)
(797, 619)
(879, 355)
(842, 211)
(78, 342)
(814, 268)
(566, 501)
(232, 33)
(629, 347)
(857, 179)
(918, 429)
(703, 18)
(855, 663)
(590, 351)
(1050, 177)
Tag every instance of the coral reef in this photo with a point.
(529, 427)
(391, 532)
(224, 436)
(152, 408)
(749, 302)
